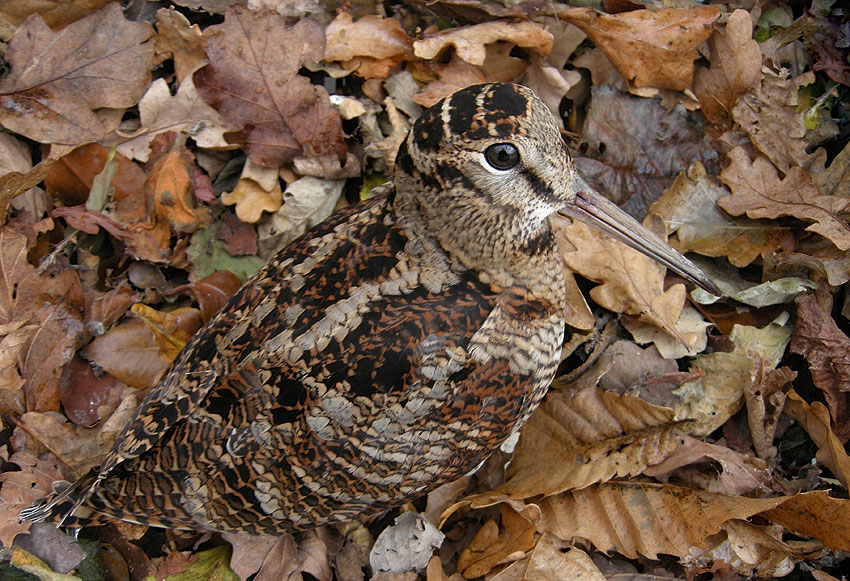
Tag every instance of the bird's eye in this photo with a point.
(502, 155)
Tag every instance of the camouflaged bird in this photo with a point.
(388, 351)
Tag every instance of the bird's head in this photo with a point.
(491, 156)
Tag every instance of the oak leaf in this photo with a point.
(758, 191)
(253, 81)
(470, 42)
(735, 68)
(650, 48)
(494, 545)
(370, 47)
(20, 488)
(182, 40)
(552, 559)
(689, 209)
(60, 81)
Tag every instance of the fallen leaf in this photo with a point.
(209, 255)
(169, 187)
(252, 81)
(71, 178)
(826, 348)
(630, 282)
(576, 439)
(185, 113)
(745, 549)
(696, 224)
(733, 286)
(60, 80)
(758, 191)
(765, 398)
(494, 545)
(769, 115)
(470, 41)
(84, 393)
(211, 292)
(552, 560)
(20, 488)
(452, 76)
(835, 179)
(407, 545)
(56, 13)
(816, 421)
(91, 222)
(28, 562)
(689, 324)
(633, 148)
(721, 378)
(735, 68)
(650, 48)
(815, 514)
(651, 518)
(257, 191)
(180, 39)
(307, 202)
(58, 550)
(370, 47)
(238, 237)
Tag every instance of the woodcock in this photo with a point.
(388, 351)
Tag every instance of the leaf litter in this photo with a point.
(179, 151)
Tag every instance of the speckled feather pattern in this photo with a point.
(386, 352)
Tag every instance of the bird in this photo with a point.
(387, 351)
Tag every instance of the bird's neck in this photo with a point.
(505, 249)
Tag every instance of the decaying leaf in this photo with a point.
(182, 40)
(630, 282)
(735, 68)
(818, 515)
(370, 47)
(650, 48)
(470, 42)
(576, 439)
(20, 488)
(61, 81)
(252, 81)
(652, 518)
(816, 421)
(758, 191)
(494, 545)
(552, 560)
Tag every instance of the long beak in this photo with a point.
(593, 209)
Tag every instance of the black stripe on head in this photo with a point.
(463, 109)
(540, 188)
(428, 129)
(505, 100)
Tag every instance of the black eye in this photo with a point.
(502, 155)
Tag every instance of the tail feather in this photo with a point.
(62, 506)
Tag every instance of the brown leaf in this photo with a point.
(628, 154)
(576, 439)
(20, 488)
(70, 179)
(816, 421)
(239, 238)
(104, 309)
(650, 48)
(186, 113)
(211, 292)
(492, 547)
(735, 69)
(182, 40)
(452, 76)
(59, 80)
(764, 398)
(816, 514)
(758, 191)
(769, 115)
(140, 349)
(650, 518)
(630, 283)
(827, 349)
(56, 13)
(252, 81)
(470, 41)
(83, 392)
(552, 560)
(169, 186)
(90, 221)
(370, 47)
(279, 558)
(696, 224)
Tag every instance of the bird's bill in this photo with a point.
(595, 210)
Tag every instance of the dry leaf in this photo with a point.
(170, 187)
(182, 40)
(769, 115)
(453, 76)
(827, 349)
(370, 47)
(470, 42)
(746, 549)
(816, 421)
(735, 69)
(630, 282)
(252, 199)
(252, 81)
(816, 514)
(407, 545)
(758, 191)
(185, 113)
(689, 209)
(576, 439)
(765, 397)
(20, 488)
(552, 560)
(650, 48)
(494, 545)
(60, 80)
(646, 519)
